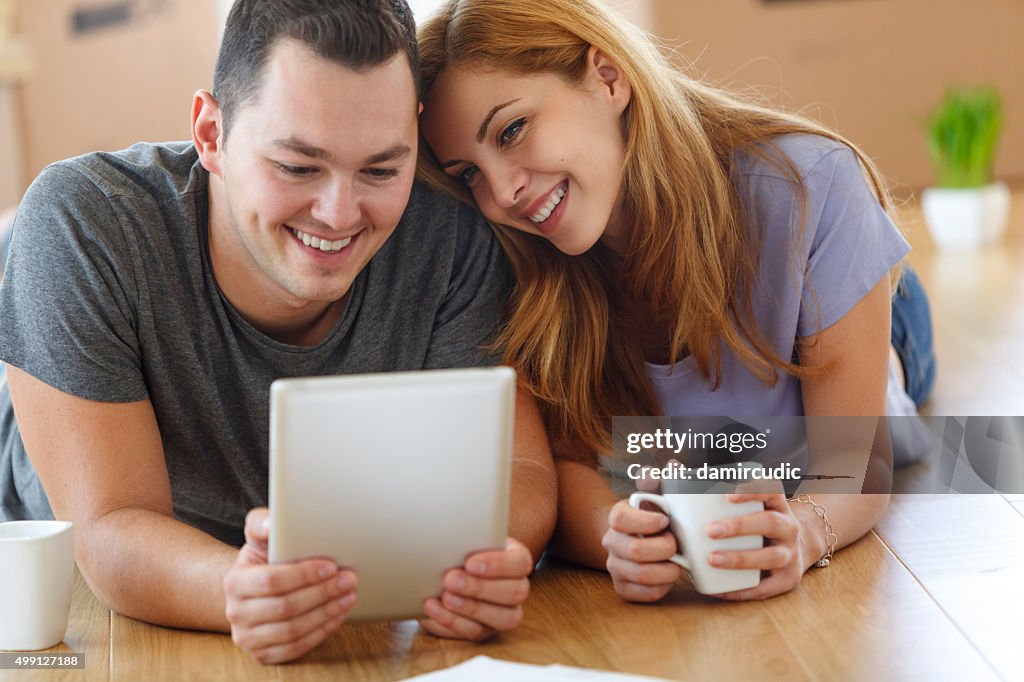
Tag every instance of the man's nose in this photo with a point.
(338, 205)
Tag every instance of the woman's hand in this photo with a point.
(639, 545)
(789, 547)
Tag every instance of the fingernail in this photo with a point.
(326, 571)
(347, 600)
(265, 524)
(716, 530)
(432, 608)
(454, 600)
(346, 582)
(457, 582)
(476, 566)
(716, 559)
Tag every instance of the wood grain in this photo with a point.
(967, 551)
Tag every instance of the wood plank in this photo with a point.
(88, 632)
(978, 322)
(577, 619)
(866, 617)
(968, 553)
(141, 651)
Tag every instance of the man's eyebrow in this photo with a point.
(394, 153)
(487, 119)
(296, 145)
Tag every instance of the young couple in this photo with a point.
(675, 251)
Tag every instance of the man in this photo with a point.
(152, 295)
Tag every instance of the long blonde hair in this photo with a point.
(691, 259)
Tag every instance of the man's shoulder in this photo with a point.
(429, 204)
(142, 170)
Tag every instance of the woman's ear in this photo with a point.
(207, 130)
(609, 77)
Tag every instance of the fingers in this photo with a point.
(502, 591)
(285, 641)
(779, 527)
(772, 501)
(649, 574)
(625, 519)
(639, 549)
(255, 611)
(280, 612)
(770, 558)
(445, 622)
(641, 593)
(268, 580)
(485, 597)
(514, 561)
(257, 526)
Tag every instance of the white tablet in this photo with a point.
(399, 476)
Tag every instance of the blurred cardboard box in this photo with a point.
(104, 74)
(871, 68)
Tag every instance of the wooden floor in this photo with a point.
(978, 309)
(933, 593)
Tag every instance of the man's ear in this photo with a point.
(610, 77)
(207, 130)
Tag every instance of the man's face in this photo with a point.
(316, 173)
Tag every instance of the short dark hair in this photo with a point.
(358, 34)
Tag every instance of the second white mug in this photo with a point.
(690, 515)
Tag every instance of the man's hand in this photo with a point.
(280, 612)
(484, 597)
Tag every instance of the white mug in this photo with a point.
(690, 515)
(37, 571)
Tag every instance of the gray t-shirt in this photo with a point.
(808, 279)
(109, 295)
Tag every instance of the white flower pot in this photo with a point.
(965, 219)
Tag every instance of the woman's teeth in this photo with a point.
(545, 212)
(321, 244)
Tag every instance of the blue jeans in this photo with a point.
(912, 336)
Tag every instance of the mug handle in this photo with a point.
(658, 501)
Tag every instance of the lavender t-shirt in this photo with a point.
(808, 280)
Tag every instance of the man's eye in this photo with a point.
(297, 171)
(467, 174)
(512, 131)
(382, 173)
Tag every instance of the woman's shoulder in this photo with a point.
(783, 155)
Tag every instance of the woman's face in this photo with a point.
(537, 154)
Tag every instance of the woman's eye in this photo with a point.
(467, 174)
(512, 131)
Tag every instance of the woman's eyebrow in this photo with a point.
(490, 115)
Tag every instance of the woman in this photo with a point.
(677, 250)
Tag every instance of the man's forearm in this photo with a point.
(534, 502)
(154, 568)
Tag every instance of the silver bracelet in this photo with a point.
(830, 538)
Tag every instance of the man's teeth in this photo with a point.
(322, 244)
(545, 212)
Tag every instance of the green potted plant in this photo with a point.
(967, 208)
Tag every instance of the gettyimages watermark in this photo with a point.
(943, 454)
